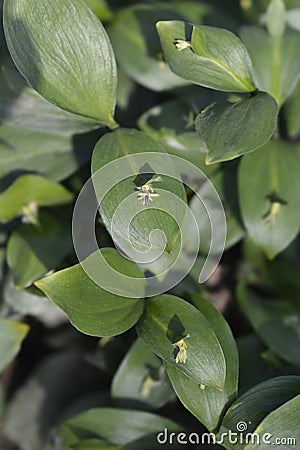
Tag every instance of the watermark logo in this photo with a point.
(164, 269)
(240, 436)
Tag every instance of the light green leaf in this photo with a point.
(167, 321)
(27, 193)
(275, 18)
(136, 44)
(21, 106)
(11, 337)
(277, 322)
(120, 186)
(292, 113)
(89, 307)
(229, 130)
(208, 56)
(32, 251)
(283, 426)
(118, 426)
(208, 404)
(253, 406)
(68, 58)
(292, 17)
(268, 183)
(141, 379)
(55, 156)
(276, 63)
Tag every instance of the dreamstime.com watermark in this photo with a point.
(240, 436)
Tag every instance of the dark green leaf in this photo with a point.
(282, 425)
(141, 378)
(167, 321)
(120, 186)
(277, 322)
(208, 404)
(268, 185)
(27, 193)
(275, 62)
(229, 130)
(90, 308)
(208, 56)
(32, 251)
(11, 337)
(137, 46)
(253, 406)
(68, 59)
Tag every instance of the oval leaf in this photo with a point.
(27, 193)
(90, 308)
(11, 337)
(229, 130)
(169, 320)
(137, 221)
(67, 59)
(268, 183)
(208, 404)
(208, 56)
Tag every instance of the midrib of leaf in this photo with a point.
(207, 56)
(276, 72)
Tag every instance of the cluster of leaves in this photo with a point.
(197, 91)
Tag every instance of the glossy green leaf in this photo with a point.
(268, 183)
(11, 337)
(28, 192)
(117, 426)
(275, 61)
(89, 307)
(253, 406)
(68, 59)
(229, 130)
(141, 379)
(282, 426)
(208, 404)
(55, 156)
(33, 250)
(277, 322)
(212, 57)
(119, 181)
(136, 44)
(166, 321)
(21, 106)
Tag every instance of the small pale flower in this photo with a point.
(181, 44)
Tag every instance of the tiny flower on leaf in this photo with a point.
(181, 350)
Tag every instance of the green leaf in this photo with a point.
(292, 17)
(120, 186)
(229, 130)
(268, 183)
(27, 193)
(137, 48)
(253, 406)
(283, 426)
(271, 58)
(55, 156)
(292, 113)
(90, 308)
(166, 321)
(21, 106)
(32, 251)
(117, 426)
(275, 18)
(11, 337)
(68, 59)
(141, 379)
(277, 322)
(208, 404)
(213, 57)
